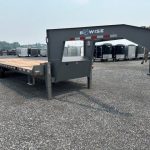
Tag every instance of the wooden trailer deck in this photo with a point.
(21, 63)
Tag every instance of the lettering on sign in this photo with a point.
(89, 32)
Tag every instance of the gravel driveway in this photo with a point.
(113, 115)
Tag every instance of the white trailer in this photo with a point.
(22, 52)
(131, 52)
(43, 52)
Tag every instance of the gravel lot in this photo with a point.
(113, 115)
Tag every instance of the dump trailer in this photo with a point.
(58, 68)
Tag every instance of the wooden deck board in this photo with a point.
(23, 63)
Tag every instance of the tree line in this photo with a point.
(10, 46)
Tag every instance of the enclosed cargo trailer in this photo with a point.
(107, 51)
(27, 52)
(22, 52)
(98, 53)
(119, 51)
(33, 52)
(131, 52)
(103, 51)
(43, 52)
(140, 52)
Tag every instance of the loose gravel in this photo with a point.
(113, 115)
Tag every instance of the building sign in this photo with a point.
(90, 31)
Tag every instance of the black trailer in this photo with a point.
(131, 51)
(56, 68)
(107, 51)
(119, 52)
(103, 51)
(33, 52)
(140, 52)
(11, 52)
(98, 53)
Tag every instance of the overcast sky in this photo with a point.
(26, 21)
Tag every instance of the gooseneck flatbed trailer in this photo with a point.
(56, 68)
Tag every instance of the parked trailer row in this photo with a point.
(7, 52)
(31, 52)
(122, 52)
(117, 52)
(24, 52)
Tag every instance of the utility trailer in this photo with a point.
(58, 68)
